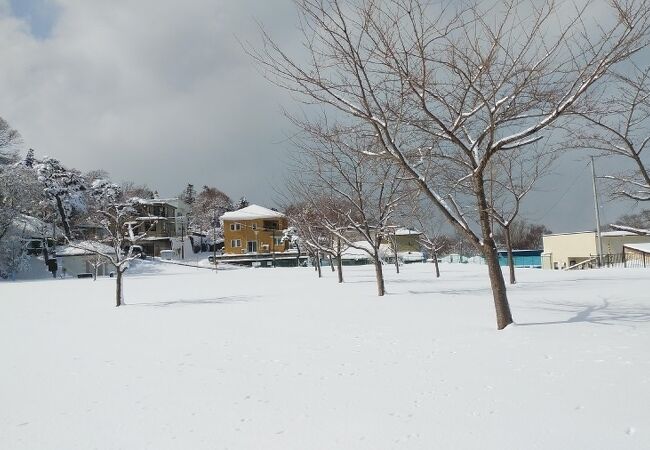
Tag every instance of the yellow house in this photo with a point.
(253, 229)
(568, 249)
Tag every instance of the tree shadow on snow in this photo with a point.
(453, 292)
(197, 301)
(601, 314)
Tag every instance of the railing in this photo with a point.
(613, 260)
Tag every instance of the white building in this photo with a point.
(81, 258)
(564, 250)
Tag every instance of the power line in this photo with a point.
(575, 181)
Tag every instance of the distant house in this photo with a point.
(254, 229)
(165, 222)
(89, 231)
(407, 240)
(80, 257)
(568, 249)
(522, 258)
(356, 255)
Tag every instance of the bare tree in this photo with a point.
(524, 235)
(361, 191)
(131, 190)
(8, 156)
(428, 224)
(511, 177)
(308, 222)
(619, 127)
(8, 139)
(444, 87)
(123, 229)
(207, 207)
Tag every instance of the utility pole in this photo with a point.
(598, 234)
(273, 246)
(214, 240)
(182, 240)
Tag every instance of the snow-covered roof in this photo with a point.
(81, 248)
(357, 252)
(604, 233)
(157, 201)
(618, 233)
(644, 247)
(252, 212)
(407, 232)
(410, 256)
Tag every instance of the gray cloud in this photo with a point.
(160, 92)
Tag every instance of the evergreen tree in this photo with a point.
(189, 195)
(243, 203)
(29, 158)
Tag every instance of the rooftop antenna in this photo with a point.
(598, 234)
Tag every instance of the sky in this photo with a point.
(161, 93)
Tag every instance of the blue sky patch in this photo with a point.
(41, 15)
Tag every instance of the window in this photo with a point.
(277, 241)
(235, 226)
(254, 226)
(271, 225)
(235, 243)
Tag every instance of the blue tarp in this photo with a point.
(523, 258)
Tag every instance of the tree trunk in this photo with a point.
(46, 255)
(331, 262)
(318, 268)
(379, 273)
(435, 260)
(118, 287)
(501, 306)
(339, 263)
(298, 257)
(395, 254)
(64, 218)
(511, 259)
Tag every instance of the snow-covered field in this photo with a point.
(278, 359)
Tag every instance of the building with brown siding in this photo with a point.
(253, 229)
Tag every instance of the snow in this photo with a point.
(158, 201)
(632, 230)
(618, 233)
(406, 232)
(84, 248)
(252, 212)
(604, 233)
(360, 250)
(410, 256)
(277, 359)
(25, 225)
(645, 247)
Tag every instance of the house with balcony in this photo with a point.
(254, 230)
(165, 223)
